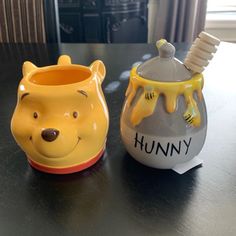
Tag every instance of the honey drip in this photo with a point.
(146, 104)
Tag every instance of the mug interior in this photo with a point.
(60, 76)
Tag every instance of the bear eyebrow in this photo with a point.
(83, 93)
(24, 95)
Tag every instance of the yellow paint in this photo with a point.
(146, 104)
(160, 42)
(65, 97)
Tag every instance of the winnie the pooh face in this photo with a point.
(61, 117)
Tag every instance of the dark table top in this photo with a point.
(119, 196)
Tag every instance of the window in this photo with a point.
(221, 19)
(221, 6)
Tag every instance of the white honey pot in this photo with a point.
(164, 119)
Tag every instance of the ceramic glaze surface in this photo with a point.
(164, 120)
(160, 137)
(153, 89)
(61, 117)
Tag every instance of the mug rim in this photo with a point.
(56, 68)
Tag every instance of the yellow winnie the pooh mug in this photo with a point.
(61, 117)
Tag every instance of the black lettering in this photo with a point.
(146, 144)
(138, 141)
(165, 152)
(187, 145)
(173, 147)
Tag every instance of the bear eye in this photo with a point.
(35, 115)
(75, 114)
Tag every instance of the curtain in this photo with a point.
(29, 21)
(176, 20)
(22, 21)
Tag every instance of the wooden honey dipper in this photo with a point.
(201, 52)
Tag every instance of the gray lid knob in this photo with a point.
(166, 50)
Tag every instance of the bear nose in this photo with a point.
(50, 134)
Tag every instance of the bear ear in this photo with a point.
(64, 60)
(99, 68)
(28, 67)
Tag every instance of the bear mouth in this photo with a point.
(31, 140)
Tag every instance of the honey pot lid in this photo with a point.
(165, 67)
